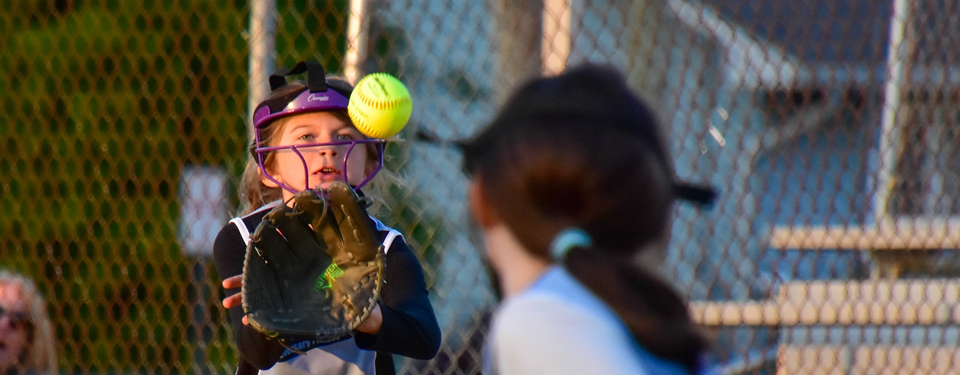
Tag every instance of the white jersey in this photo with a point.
(557, 326)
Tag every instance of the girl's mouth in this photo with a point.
(328, 174)
(329, 170)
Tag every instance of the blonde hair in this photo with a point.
(41, 350)
(255, 194)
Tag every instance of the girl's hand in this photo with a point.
(237, 299)
(372, 324)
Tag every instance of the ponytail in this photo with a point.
(653, 312)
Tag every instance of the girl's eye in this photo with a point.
(306, 137)
(344, 137)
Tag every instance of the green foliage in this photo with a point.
(106, 101)
(312, 30)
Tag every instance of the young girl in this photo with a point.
(305, 140)
(27, 343)
(572, 188)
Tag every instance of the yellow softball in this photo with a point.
(380, 105)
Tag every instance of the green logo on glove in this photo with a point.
(325, 281)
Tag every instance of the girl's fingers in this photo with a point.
(236, 299)
(233, 301)
(233, 282)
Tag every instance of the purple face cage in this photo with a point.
(318, 96)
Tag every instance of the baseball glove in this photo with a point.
(313, 271)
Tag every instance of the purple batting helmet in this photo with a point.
(319, 96)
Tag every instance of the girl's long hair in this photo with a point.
(41, 356)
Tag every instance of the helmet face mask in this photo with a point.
(260, 154)
(318, 96)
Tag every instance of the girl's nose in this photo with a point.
(328, 151)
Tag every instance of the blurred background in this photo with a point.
(829, 127)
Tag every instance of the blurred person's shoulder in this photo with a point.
(557, 326)
(557, 300)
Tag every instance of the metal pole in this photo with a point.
(555, 45)
(357, 30)
(889, 140)
(262, 61)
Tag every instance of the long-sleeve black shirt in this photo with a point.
(409, 325)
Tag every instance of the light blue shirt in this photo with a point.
(558, 326)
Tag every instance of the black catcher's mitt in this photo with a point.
(313, 271)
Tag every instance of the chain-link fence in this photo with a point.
(830, 128)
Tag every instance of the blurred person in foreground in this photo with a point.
(26, 335)
(573, 189)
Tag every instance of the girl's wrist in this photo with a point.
(372, 324)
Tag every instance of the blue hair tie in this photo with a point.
(568, 239)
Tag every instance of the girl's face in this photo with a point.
(14, 324)
(324, 164)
